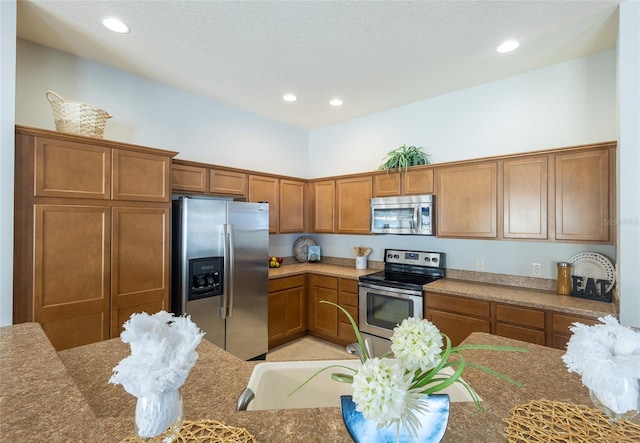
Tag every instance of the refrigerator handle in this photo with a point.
(225, 274)
(231, 244)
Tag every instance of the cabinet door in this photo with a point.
(467, 200)
(456, 326)
(323, 318)
(558, 333)
(348, 299)
(525, 198)
(276, 319)
(291, 206)
(140, 176)
(386, 185)
(353, 201)
(266, 189)
(324, 206)
(140, 263)
(71, 170)
(188, 178)
(71, 250)
(295, 311)
(582, 196)
(227, 182)
(520, 323)
(417, 181)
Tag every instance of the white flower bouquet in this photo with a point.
(390, 391)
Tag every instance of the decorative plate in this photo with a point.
(595, 266)
(433, 420)
(301, 246)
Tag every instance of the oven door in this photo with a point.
(382, 308)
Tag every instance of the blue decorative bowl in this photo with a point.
(433, 421)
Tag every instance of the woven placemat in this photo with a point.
(207, 431)
(556, 422)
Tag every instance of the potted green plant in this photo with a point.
(404, 157)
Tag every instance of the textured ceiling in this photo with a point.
(375, 55)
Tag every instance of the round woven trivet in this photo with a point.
(207, 431)
(556, 422)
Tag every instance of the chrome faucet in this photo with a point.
(354, 349)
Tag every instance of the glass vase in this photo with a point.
(159, 417)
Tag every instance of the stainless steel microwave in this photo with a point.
(403, 215)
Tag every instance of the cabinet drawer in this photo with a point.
(346, 299)
(323, 281)
(348, 285)
(520, 316)
(459, 305)
(520, 333)
(353, 311)
(279, 284)
(561, 322)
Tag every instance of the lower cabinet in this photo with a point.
(287, 310)
(348, 299)
(457, 317)
(558, 333)
(519, 323)
(323, 318)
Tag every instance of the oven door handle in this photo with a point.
(391, 288)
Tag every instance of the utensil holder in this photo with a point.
(361, 262)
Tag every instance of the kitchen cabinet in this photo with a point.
(558, 333)
(520, 323)
(287, 310)
(266, 189)
(92, 234)
(524, 193)
(323, 213)
(227, 182)
(457, 317)
(348, 299)
(467, 200)
(416, 180)
(583, 195)
(322, 318)
(190, 179)
(353, 205)
(292, 206)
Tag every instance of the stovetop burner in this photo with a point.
(408, 269)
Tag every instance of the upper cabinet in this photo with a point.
(189, 177)
(323, 196)
(353, 205)
(266, 189)
(227, 182)
(416, 180)
(467, 199)
(583, 195)
(524, 193)
(292, 209)
(140, 176)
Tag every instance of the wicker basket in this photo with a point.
(76, 117)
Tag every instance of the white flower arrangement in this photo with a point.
(390, 391)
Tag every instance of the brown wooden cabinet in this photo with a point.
(467, 200)
(353, 205)
(287, 309)
(266, 189)
(416, 180)
(292, 209)
(582, 195)
(323, 200)
(92, 234)
(322, 318)
(524, 193)
(457, 317)
(558, 333)
(227, 182)
(520, 323)
(348, 299)
(186, 178)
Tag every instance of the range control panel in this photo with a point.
(417, 258)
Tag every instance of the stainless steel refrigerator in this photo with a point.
(220, 271)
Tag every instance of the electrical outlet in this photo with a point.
(536, 269)
(479, 264)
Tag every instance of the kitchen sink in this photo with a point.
(271, 383)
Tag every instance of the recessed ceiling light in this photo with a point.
(508, 46)
(289, 98)
(335, 102)
(115, 25)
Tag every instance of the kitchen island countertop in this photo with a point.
(59, 397)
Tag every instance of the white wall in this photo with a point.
(629, 162)
(152, 114)
(7, 92)
(566, 104)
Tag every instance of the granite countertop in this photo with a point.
(533, 298)
(59, 397)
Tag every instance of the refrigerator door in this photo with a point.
(202, 235)
(247, 287)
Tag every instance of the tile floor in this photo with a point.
(308, 348)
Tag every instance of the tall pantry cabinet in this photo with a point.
(92, 226)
